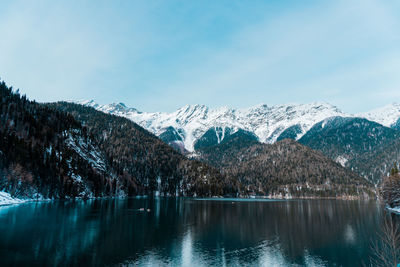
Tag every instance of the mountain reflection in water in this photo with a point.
(189, 232)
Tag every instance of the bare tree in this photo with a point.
(386, 250)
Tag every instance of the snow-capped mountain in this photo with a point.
(114, 108)
(188, 124)
(387, 115)
(191, 122)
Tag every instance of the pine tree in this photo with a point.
(395, 170)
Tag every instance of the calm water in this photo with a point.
(188, 232)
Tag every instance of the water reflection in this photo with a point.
(187, 232)
(187, 249)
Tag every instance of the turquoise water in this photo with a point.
(188, 232)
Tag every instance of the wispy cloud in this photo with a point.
(347, 48)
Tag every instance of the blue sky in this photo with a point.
(161, 55)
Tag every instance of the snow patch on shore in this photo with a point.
(394, 210)
(7, 199)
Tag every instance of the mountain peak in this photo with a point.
(191, 110)
(386, 115)
(260, 106)
(109, 108)
(121, 107)
(193, 107)
(89, 103)
(120, 104)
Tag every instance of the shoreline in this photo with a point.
(7, 200)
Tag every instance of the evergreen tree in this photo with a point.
(395, 170)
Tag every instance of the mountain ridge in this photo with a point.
(269, 123)
(192, 121)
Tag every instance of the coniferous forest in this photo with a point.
(284, 168)
(48, 153)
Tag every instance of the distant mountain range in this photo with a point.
(366, 143)
(189, 124)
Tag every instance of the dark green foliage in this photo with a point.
(173, 138)
(240, 136)
(170, 135)
(211, 137)
(220, 155)
(285, 168)
(368, 147)
(348, 136)
(396, 125)
(219, 135)
(290, 133)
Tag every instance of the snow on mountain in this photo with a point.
(387, 115)
(192, 121)
(266, 122)
(86, 150)
(269, 122)
(118, 109)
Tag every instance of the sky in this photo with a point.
(161, 55)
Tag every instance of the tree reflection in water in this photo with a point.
(187, 232)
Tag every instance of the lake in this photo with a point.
(188, 232)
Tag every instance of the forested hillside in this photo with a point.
(390, 188)
(39, 156)
(154, 166)
(363, 146)
(285, 168)
(66, 150)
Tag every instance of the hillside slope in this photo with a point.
(153, 165)
(364, 146)
(47, 153)
(285, 168)
(63, 150)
